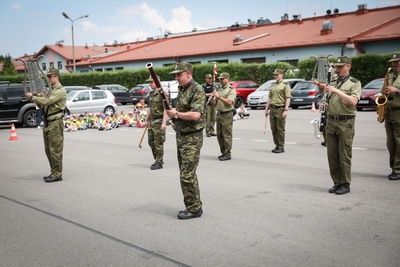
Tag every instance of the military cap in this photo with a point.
(341, 61)
(208, 76)
(395, 57)
(150, 79)
(52, 71)
(224, 75)
(278, 71)
(181, 67)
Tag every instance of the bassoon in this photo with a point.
(153, 75)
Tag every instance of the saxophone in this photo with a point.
(382, 100)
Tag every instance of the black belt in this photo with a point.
(393, 108)
(187, 133)
(157, 117)
(224, 112)
(55, 119)
(341, 118)
(272, 106)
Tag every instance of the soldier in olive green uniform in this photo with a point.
(342, 98)
(277, 106)
(188, 118)
(53, 106)
(223, 99)
(392, 117)
(156, 119)
(210, 109)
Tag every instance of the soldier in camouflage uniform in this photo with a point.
(277, 106)
(188, 118)
(156, 119)
(53, 106)
(342, 98)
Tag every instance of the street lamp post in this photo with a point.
(72, 29)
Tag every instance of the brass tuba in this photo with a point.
(382, 100)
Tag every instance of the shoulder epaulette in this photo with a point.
(354, 80)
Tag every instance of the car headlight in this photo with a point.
(264, 97)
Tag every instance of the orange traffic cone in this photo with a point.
(313, 107)
(13, 135)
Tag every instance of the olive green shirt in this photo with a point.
(227, 92)
(191, 97)
(395, 82)
(337, 106)
(279, 92)
(53, 104)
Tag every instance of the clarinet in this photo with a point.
(324, 102)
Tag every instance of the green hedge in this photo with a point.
(364, 67)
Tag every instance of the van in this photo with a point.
(172, 87)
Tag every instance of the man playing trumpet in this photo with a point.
(392, 117)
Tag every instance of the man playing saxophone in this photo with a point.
(392, 117)
(342, 97)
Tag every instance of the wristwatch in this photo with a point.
(397, 91)
(176, 115)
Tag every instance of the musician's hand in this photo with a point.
(144, 123)
(163, 126)
(330, 89)
(390, 89)
(266, 112)
(28, 95)
(216, 94)
(171, 113)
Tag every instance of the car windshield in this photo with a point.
(375, 84)
(266, 86)
(71, 95)
(303, 86)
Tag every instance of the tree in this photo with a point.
(8, 66)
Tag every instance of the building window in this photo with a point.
(98, 70)
(108, 69)
(254, 60)
(51, 64)
(44, 68)
(119, 68)
(59, 65)
(219, 61)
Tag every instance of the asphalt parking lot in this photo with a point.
(260, 208)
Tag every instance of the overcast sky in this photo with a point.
(28, 25)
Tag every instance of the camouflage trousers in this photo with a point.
(53, 137)
(189, 147)
(156, 140)
(339, 143)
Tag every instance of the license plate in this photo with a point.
(363, 102)
(134, 98)
(298, 99)
(253, 103)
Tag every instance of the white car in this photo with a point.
(92, 101)
(259, 97)
(172, 88)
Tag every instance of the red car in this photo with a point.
(368, 94)
(243, 89)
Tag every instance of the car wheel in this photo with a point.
(294, 106)
(30, 118)
(238, 101)
(123, 103)
(253, 107)
(359, 109)
(110, 110)
(66, 112)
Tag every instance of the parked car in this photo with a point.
(140, 91)
(369, 93)
(171, 87)
(15, 107)
(92, 101)
(304, 94)
(243, 89)
(259, 97)
(120, 92)
(75, 88)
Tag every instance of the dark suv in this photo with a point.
(121, 93)
(15, 107)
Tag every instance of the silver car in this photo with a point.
(92, 101)
(259, 97)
